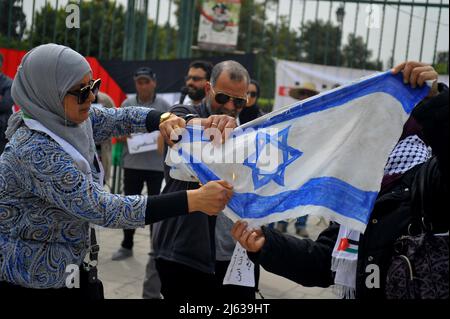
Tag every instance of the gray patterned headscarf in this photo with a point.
(43, 78)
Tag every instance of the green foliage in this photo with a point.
(441, 65)
(12, 23)
(320, 43)
(357, 55)
(265, 105)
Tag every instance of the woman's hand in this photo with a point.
(210, 198)
(172, 128)
(416, 73)
(251, 239)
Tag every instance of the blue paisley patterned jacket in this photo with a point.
(47, 203)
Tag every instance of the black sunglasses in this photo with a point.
(84, 92)
(193, 78)
(252, 94)
(223, 98)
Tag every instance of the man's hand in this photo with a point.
(224, 125)
(416, 73)
(171, 129)
(251, 239)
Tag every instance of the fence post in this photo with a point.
(167, 43)
(55, 26)
(380, 44)
(367, 36)
(327, 37)
(111, 37)
(437, 34)
(423, 29)
(32, 24)
(395, 36)
(79, 29)
(155, 33)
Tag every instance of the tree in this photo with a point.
(357, 55)
(320, 43)
(14, 27)
(102, 31)
(12, 23)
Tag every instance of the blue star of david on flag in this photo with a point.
(289, 154)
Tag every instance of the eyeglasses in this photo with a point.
(193, 78)
(223, 98)
(84, 92)
(252, 94)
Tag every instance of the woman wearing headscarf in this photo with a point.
(252, 110)
(51, 179)
(321, 262)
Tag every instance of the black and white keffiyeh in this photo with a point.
(408, 153)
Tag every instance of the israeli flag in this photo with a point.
(323, 156)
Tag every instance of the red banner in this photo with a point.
(12, 59)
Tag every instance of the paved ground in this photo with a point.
(123, 279)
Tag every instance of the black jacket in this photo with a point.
(308, 262)
(189, 239)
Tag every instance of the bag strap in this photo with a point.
(93, 249)
(420, 220)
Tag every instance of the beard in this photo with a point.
(196, 94)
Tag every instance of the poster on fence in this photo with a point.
(219, 25)
(291, 76)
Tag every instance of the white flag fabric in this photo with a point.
(324, 155)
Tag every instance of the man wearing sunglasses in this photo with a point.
(185, 248)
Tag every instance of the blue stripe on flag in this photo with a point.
(328, 192)
(385, 82)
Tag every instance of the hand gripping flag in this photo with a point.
(324, 155)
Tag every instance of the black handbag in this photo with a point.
(420, 264)
(91, 287)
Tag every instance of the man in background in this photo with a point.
(198, 75)
(6, 104)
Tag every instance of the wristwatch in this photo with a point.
(189, 117)
(164, 117)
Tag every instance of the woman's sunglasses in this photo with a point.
(252, 94)
(84, 92)
(223, 98)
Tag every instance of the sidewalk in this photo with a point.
(123, 279)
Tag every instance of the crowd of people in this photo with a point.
(57, 153)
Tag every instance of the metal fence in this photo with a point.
(361, 34)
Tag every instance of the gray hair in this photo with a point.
(235, 71)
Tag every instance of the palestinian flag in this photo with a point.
(348, 245)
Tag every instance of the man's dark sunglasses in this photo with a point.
(252, 94)
(223, 98)
(193, 78)
(84, 92)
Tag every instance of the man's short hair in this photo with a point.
(235, 70)
(204, 65)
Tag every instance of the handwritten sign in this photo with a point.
(139, 143)
(240, 271)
